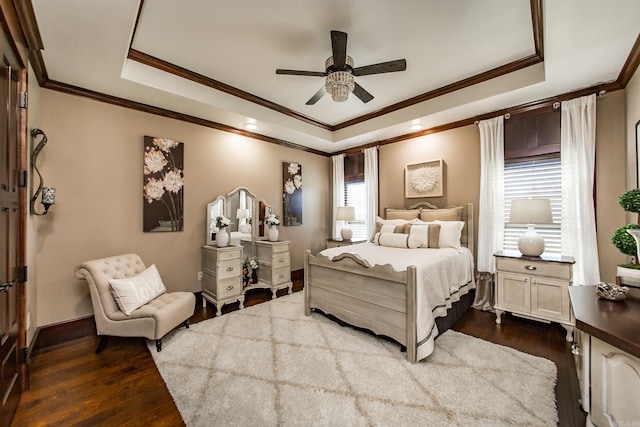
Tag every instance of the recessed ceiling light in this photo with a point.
(416, 126)
(251, 126)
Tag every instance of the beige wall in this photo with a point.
(460, 150)
(94, 160)
(610, 179)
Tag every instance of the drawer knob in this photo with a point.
(229, 287)
(229, 268)
(281, 276)
(281, 260)
(530, 267)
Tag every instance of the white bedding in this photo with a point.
(443, 276)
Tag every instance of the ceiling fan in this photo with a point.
(340, 72)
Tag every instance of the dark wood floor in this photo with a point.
(71, 385)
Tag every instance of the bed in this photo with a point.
(407, 294)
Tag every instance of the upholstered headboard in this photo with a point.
(428, 212)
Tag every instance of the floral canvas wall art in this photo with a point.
(163, 185)
(292, 193)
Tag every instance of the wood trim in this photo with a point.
(631, 64)
(537, 26)
(122, 102)
(60, 333)
(184, 73)
(459, 85)
(29, 24)
(519, 109)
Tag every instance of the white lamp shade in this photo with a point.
(530, 212)
(346, 213)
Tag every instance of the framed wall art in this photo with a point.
(423, 180)
(292, 193)
(163, 185)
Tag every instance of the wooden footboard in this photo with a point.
(375, 298)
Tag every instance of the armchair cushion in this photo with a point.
(133, 292)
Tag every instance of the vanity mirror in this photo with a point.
(246, 214)
(240, 209)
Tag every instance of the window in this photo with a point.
(355, 195)
(538, 179)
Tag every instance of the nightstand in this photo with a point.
(335, 243)
(535, 288)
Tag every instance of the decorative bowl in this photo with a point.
(611, 291)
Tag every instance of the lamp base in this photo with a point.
(346, 232)
(531, 243)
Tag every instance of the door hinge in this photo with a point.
(22, 273)
(24, 100)
(22, 178)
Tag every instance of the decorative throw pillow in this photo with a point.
(450, 233)
(427, 234)
(396, 240)
(446, 214)
(132, 293)
(402, 213)
(390, 226)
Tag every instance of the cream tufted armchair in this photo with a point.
(153, 320)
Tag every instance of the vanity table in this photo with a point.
(222, 267)
(607, 356)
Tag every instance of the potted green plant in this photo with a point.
(626, 239)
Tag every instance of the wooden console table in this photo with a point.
(608, 355)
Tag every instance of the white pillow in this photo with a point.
(134, 292)
(450, 233)
(396, 240)
(428, 235)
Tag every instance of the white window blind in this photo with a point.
(536, 179)
(355, 195)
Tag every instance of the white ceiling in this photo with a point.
(241, 43)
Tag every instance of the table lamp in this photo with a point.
(531, 212)
(243, 214)
(346, 213)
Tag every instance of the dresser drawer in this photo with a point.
(280, 260)
(536, 268)
(229, 268)
(281, 275)
(232, 254)
(229, 287)
(280, 247)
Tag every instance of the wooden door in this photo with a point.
(11, 228)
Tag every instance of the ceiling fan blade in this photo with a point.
(339, 48)
(301, 73)
(317, 96)
(362, 94)
(383, 67)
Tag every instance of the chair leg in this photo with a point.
(159, 345)
(187, 323)
(101, 344)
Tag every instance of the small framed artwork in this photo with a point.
(423, 180)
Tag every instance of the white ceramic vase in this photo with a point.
(273, 233)
(222, 237)
(635, 233)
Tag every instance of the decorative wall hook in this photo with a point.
(48, 193)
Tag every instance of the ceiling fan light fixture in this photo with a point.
(340, 84)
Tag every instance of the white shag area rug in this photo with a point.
(270, 365)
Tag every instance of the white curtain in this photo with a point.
(577, 155)
(491, 209)
(338, 191)
(371, 186)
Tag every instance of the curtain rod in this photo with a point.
(555, 105)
